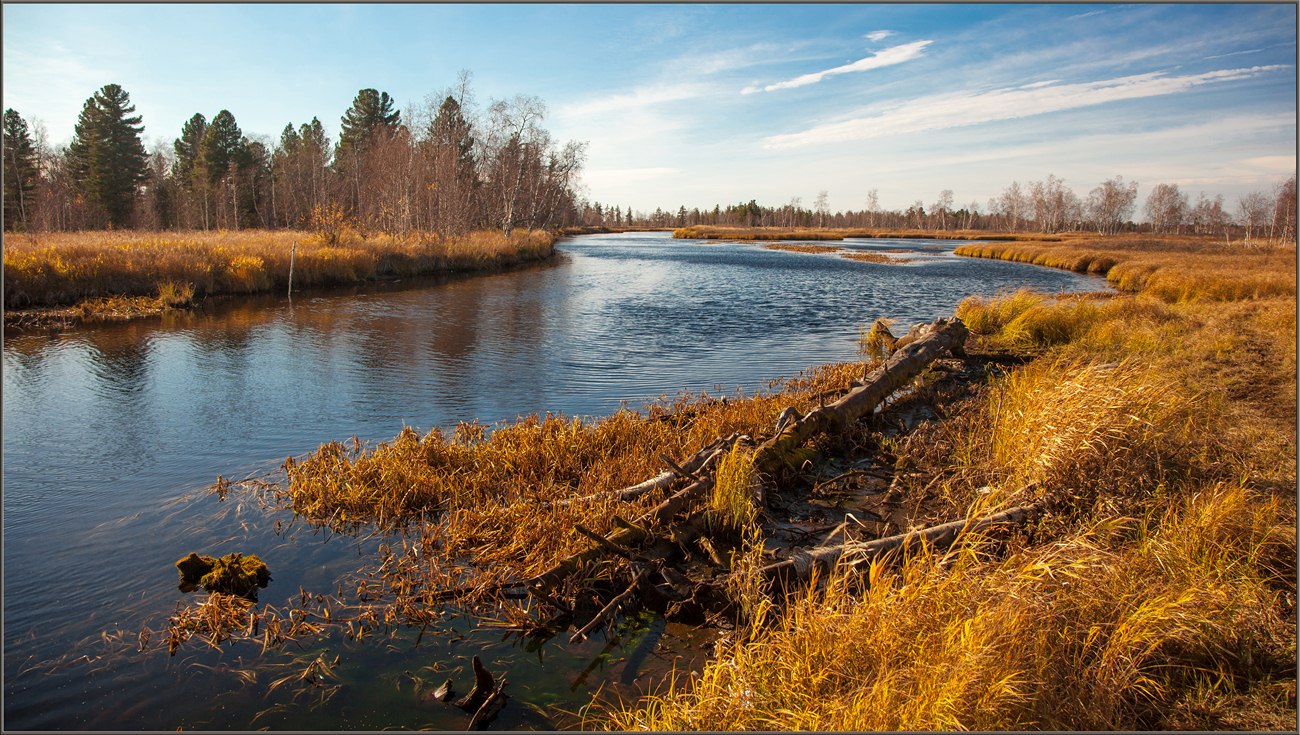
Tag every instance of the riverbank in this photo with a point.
(1154, 591)
(1159, 593)
(88, 276)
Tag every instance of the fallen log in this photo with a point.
(943, 336)
(688, 469)
(799, 567)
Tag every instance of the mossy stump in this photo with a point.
(233, 574)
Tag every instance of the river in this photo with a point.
(112, 432)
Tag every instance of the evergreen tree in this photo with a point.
(371, 113)
(187, 148)
(450, 128)
(107, 157)
(19, 171)
(222, 148)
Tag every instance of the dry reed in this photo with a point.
(63, 268)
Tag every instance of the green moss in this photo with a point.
(233, 574)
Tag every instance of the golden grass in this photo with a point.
(732, 498)
(488, 502)
(64, 268)
(1173, 269)
(1123, 625)
(1158, 434)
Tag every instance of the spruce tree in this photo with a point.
(371, 113)
(107, 157)
(221, 148)
(187, 149)
(19, 171)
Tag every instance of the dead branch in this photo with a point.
(800, 566)
(944, 335)
(610, 608)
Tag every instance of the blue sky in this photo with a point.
(705, 104)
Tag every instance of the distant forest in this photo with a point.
(451, 168)
(1039, 206)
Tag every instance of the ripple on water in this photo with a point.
(106, 425)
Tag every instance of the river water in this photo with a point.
(111, 433)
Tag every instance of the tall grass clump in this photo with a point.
(731, 501)
(1129, 624)
(1077, 427)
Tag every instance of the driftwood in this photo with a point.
(490, 708)
(800, 566)
(663, 480)
(610, 608)
(484, 685)
(907, 361)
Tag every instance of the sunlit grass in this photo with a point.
(64, 268)
(1172, 269)
(495, 502)
(1122, 625)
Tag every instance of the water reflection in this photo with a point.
(104, 428)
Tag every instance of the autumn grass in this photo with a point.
(800, 247)
(873, 258)
(1172, 269)
(489, 504)
(1157, 590)
(1150, 622)
(67, 268)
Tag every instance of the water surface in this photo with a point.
(112, 432)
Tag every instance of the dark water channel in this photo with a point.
(111, 434)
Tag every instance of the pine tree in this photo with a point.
(19, 171)
(107, 157)
(371, 113)
(222, 147)
(187, 148)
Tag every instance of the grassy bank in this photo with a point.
(49, 270)
(1173, 269)
(1160, 428)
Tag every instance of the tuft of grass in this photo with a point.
(732, 498)
(1096, 631)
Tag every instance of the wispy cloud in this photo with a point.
(878, 35)
(961, 109)
(887, 57)
(639, 98)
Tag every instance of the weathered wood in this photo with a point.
(610, 608)
(944, 335)
(663, 480)
(490, 708)
(800, 566)
(625, 536)
(483, 686)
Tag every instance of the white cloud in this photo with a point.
(961, 109)
(888, 57)
(878, 35)
(637, 99)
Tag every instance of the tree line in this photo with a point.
(1039, 206)
(445, 167)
